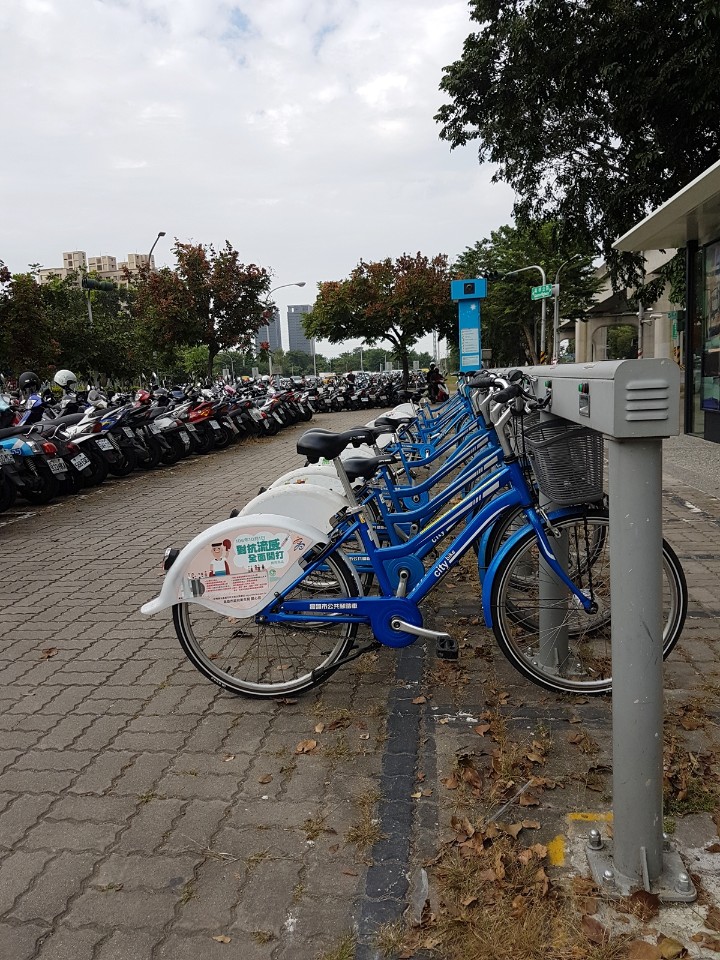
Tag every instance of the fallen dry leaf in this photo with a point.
(416, 796)
(593, 929)
(642, 950)
(306, 746)
(712, 919)
(671, 949)
(266, 778)
(713, 848)
(529, 800)
(288, 701)
(420, 699)
(319, 727)
(643, 904)
(221, 938)
(531, 824)
(48, 653)
(451, 782)
(481, 729)
(350, 873)
(228, 757)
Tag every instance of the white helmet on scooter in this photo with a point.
(65, 379)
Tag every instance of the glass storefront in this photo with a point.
(709, 340)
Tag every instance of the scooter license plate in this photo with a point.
(364, 400)
(214, 424)
(80, 461)
(104, 444)
(191, 429)
(155, 428)
(185, 437)
(256, 415)
(57, 465)
(278, 418)
(128, 432)
(6, 457)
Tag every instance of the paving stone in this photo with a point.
(37, 781)
(142, 774)
(54, 760)
(17, 872)
(67, 944)
(21, 814)
(140, 871)
(60, 879)
(190, 784)
(130, 945)
(124, 909)
(265, 902)
(99, 809)
(193, 830)
(64, 733)
(19, 942)
(151, 826)
(71, 835)
(99, 776)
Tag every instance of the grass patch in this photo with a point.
(366, 831)
(345, 949)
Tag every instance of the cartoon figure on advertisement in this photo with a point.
(220, 553)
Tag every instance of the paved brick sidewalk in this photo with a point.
(143, 811)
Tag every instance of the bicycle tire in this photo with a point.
(275, 660)
(515, 607)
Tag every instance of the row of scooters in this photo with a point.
(62, 447)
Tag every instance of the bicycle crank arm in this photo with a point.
(446, 647)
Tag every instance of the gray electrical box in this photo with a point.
(620, 398)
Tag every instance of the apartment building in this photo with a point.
(105, 266)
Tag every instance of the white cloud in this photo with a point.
(300, 130)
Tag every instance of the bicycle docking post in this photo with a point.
(634, 404)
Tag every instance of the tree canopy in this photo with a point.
(510, 321)
(397, 301)
(595, 111)
(210, 299)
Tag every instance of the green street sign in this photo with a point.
(540, 293)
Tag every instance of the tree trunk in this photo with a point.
(403, 357)
(212, 353)
(530, 345)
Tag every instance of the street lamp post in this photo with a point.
(556, 305)
(160, 234)
(543, 308)
(299, 283)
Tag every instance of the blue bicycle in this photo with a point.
(268, 606)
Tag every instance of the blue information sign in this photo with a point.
(468, 294)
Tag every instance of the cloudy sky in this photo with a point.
(301, 131)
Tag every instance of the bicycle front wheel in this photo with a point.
(270, 659)
(573, 654)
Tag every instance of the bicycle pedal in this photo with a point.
(446, 647)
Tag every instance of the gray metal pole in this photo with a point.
(637, 705)
(553, 633)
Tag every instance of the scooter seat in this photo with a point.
(363, 468)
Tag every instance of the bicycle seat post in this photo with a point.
(355, 507)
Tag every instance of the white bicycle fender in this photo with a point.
(253, 575)
(316, 474)
(307, 502)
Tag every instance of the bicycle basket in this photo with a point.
(567, 460)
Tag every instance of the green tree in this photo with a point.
(210, 299)
(510, 321)
(397, 301)
(593, 112)
(27, 340)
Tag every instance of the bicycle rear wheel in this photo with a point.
(516, 608)
(270, 659)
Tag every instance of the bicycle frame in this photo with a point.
(384, 612)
